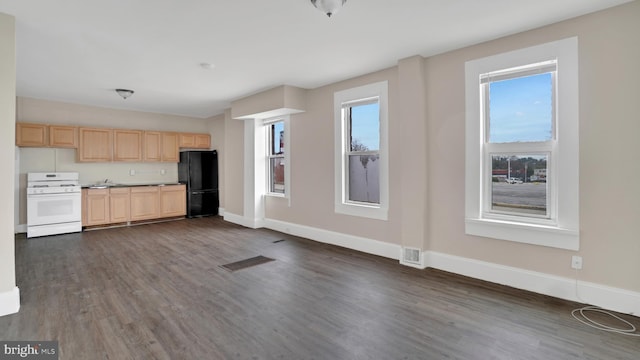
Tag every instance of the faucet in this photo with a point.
(106, 181)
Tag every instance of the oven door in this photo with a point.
(46, 209)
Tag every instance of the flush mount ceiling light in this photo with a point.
(328, 7)
(125, 93)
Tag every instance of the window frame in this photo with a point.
(360, 96)
(268, 124)
(561, 228)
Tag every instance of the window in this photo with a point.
(361, 151)
(518, 117)
(362, 120)
(277, 172)
(521, 169)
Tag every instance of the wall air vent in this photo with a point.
(412, 257)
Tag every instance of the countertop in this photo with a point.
(117, 185)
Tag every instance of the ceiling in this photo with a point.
(79, 51)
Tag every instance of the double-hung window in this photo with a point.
(362, 155)
(519, 118)
(361, 151)
(522, 145)
(276, 160)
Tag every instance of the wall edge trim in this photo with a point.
(10, 301)
(243, 221)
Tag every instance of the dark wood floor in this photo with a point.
(158, 291)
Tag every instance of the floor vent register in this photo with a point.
(247, 263)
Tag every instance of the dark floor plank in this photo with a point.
(158, 291)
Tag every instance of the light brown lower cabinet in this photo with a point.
(145, 203)
(173, 200)
(119, 203)
(125, 204)
(97, 207)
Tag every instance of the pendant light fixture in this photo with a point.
(328, 7)
(125, 93)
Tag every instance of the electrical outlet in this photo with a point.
(132, 172)
(576, 262)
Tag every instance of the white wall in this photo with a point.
(9, 294)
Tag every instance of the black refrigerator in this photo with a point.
(199, 171)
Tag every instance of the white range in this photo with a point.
(54, 203)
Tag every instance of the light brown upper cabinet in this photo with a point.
(105, 145)
(151, 146)
(170, 150)
(42, 135)
(32, 134)
(195, 141)
(63, 136)
(96, 145)
(127, 145)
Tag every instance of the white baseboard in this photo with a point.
(20, 228)
(10, 302)
(607, 297)
(233, 218)
(358, 243)
(241, 220)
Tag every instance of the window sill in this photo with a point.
(284, 197)
(372, 212)
(533, 234)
